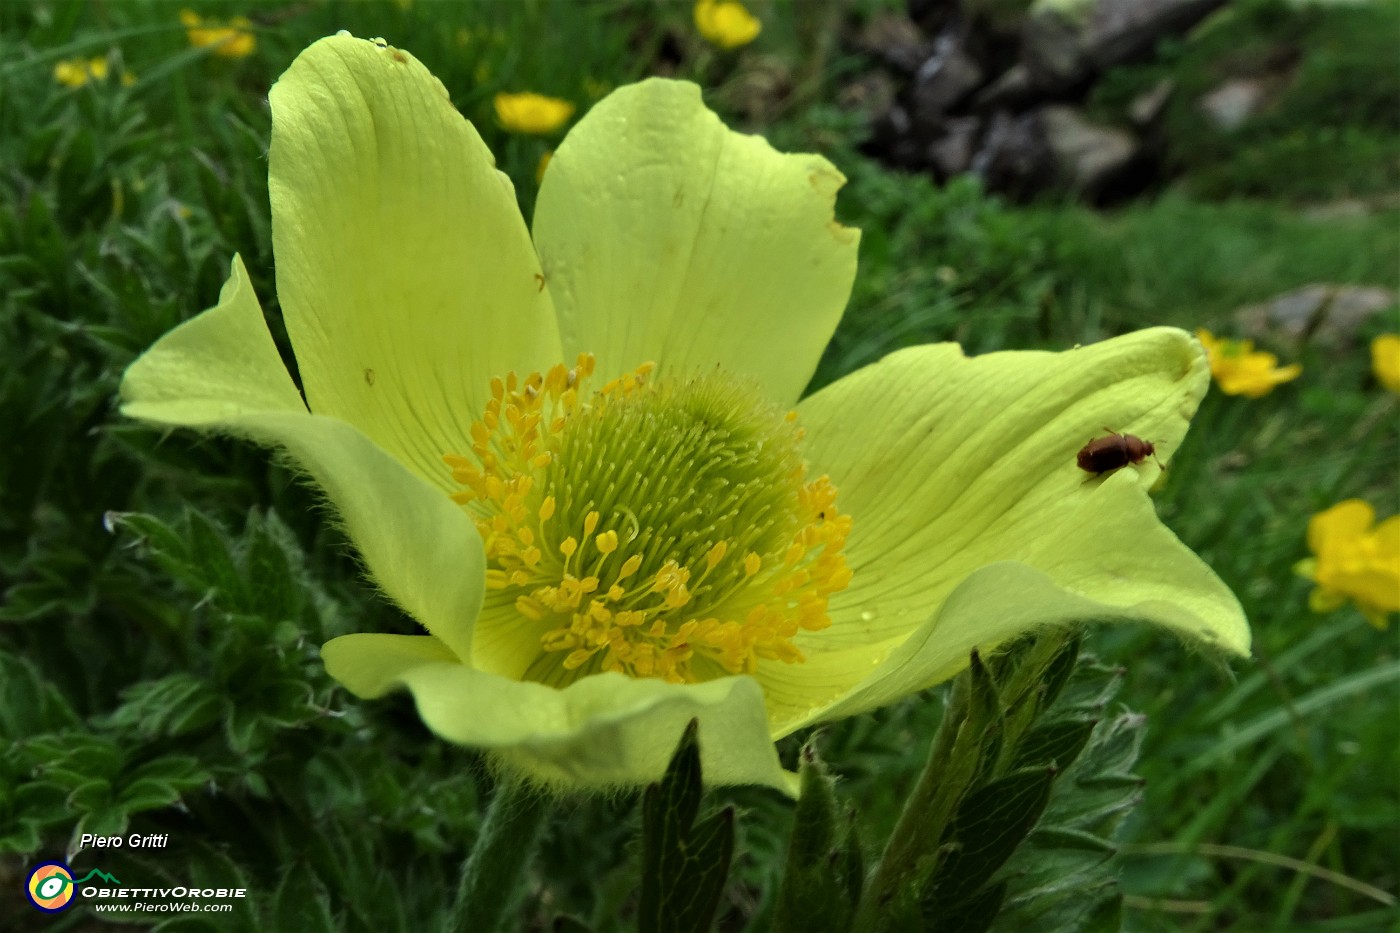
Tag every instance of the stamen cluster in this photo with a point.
(657, 527)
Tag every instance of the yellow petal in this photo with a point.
(948, 465)
(666, 237)
(1385, 360)
(600, 732)
(403, 266)
(726, 23)
(1342, 523)
(994, 605)
(221, 372)
(532, 113)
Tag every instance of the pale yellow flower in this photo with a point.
(726, 23)
(77, 72)
(1239, 369)
(232, 38)
(1354, 559)
(1385, 360)
(579, 453)
(532, 113)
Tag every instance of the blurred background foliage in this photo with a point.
(164, 597)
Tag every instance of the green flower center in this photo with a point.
(657, 527)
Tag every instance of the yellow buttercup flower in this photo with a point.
(532, 113)
(726, 23)
(1354, 559)
(1385, 360)
(580, 457)
(77, 72)
(1239, 369)
(232, 38)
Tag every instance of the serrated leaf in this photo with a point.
(171, 706)
(684, 865)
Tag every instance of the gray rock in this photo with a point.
(1087, 156)
(1230, 105)
(894, 39)
(1064, 42)
(1053, 50)
(1148, 106)
(1013, 89)
(943, 80)
(952, 152)
(1013, 155)
(1119, 30)
(1323, 313)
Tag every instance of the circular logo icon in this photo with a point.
(50, 887)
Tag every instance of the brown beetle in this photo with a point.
(1106, 454)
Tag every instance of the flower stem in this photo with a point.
(496, 872)
(921, 823)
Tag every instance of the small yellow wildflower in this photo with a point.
(1385, 360)
(1239, 369)
(232, 38)
(726, 23)
(77, 72)
(532, 113)
(1354, 561)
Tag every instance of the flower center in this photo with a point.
(657, 527)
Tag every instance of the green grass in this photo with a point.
(160, 674)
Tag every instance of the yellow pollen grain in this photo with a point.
(752, 564)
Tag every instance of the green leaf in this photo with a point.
(175, 705)
(300, 903)
(1055, 743)
(988, 826)
(1063, 879)
(684, 865)
(28, 702)
(975, 915)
